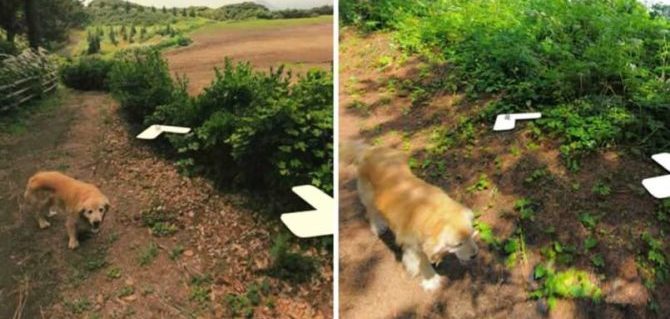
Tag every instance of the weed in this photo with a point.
(114, 273)
(588, 220)
(515, 151)
(557, 252)
(125, 291)
(598, 261)
(244, 304)
(481, 184)
(590, 243)
(200, 288)
(526, 208)
(148, 254)
(384, 62)
(602, 189)
(515, 248)
(654, 264)
(176, 251)
(290, 265)
(570, 283)
(78, 306)
(536, 175)
(159, 221)
(486, 234)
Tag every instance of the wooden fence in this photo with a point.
(29, 75)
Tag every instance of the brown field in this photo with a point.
(299, 47)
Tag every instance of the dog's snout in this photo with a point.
(96, 224)
(474, 256)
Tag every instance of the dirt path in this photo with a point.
(172, 246)
(299, 47)
(378, 102)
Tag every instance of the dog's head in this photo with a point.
(93, 211)
(457, 236)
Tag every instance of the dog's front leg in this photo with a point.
(431, 279)
(71, 226)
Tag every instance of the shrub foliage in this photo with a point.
(591, 66)
(86, 73)
(259, 129)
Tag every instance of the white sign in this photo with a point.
(313, 223)
(506, 122)
(659, 186)
(154, 131)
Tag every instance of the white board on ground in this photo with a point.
(156, 130)
(659, 186)
(313, 223)
(506, 122)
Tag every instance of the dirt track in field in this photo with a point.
(376, 106)
(299, 47)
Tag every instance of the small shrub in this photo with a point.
(86, 73)
(570, 283)
(140, 81)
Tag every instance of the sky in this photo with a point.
(272, 4)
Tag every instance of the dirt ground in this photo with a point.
(299, 47)
(212, 262)
(373, 284)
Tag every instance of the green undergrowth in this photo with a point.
(598, 86)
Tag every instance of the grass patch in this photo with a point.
(262, 24)
(15, 122)
(244, 304)
(78, 306)
(148, 254)
(113, 273)
(200, 288)
(159, 221)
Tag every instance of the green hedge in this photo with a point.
(256, 129)
(86, 73)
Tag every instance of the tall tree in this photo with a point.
(9, 18)
(30, 10)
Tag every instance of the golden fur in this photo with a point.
(54, 192)
(427, 223)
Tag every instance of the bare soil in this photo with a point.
(373, 284)
(218, 252)
(299, 47)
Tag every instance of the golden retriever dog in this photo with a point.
(427, 223)
(55, 192)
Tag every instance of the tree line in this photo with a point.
(43, 22)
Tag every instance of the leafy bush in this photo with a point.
(597, 84)
(570, 283)
(140, 81)
(257, 128)
(86, 73)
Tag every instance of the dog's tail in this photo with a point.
(352, 152)
(36, 183)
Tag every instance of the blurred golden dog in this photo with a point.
(427, 223)
(53, 192)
